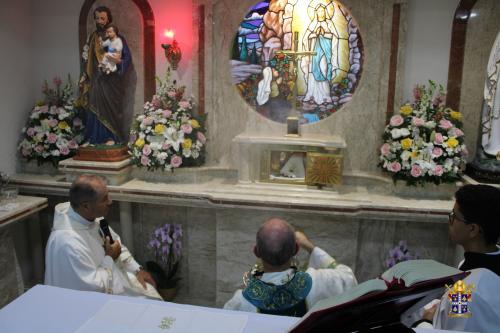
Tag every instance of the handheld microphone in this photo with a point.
(105, 230)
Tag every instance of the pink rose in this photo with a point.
(145, 160)
(438, 170)
(39, 149)
(438, 139)
(147, 121)
(30, 131)
(72, 144)
(186, 128)
(396, 120)
(146, 150)
(184, 104)
(394, 166)
(52, 138)
(26, 152)
(458, 132)
(418, 121)
(176, 161)
(64, 150)
(445, 124)
(171, 93)
(385, 149)
(167, 113)
(416, 170)
(53, 122)
(201, 137)
(436, 152)
(77, 122)
(156, 101)
(165, 146)
(44, 109)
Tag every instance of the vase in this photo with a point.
(33, 167)
(168, 294)
(443, 191)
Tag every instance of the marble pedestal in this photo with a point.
(116, 173)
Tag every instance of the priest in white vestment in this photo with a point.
(79, 257)
(280, 289)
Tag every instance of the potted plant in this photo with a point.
(167, 135)
(166, 245)
(54, 130)
(425, 142)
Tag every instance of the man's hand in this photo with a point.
(113, 250)
(143, 277)
(303, 241)
(429, 313)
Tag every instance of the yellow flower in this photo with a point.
(195, 123)
(406, 110)
(139, 143)
(159, 129)
(187, 143)
(455, 115)
(452, 142)
(63, 125)
(406, 143)
(414, 154)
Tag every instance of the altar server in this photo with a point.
(279, 288)
(78, 256)
(474, 224)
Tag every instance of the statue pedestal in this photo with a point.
(116, 173)
(305, 160)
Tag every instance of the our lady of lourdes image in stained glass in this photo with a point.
(307, 52)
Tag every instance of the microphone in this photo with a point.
(105, 230)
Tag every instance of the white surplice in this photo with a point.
(75, 258)
(326, 282)
(484, 306)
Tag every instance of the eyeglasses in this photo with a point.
(452, 216)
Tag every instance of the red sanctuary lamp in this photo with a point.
(172, 51)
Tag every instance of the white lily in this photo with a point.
(174, 137)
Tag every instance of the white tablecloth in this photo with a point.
(57, 310)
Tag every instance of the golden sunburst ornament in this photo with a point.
(324, 169)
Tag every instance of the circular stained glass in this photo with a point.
(297, 58)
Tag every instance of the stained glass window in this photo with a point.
(302, 53)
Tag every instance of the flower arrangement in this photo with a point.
(54, 130)
(398, 254)
(166, 244)
(166, 135)
(425, 142)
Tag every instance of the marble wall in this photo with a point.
(482, 29)
(360, 123)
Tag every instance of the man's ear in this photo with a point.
(256, 251)
(474, 230)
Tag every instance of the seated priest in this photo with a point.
(475, 225)
(281, 289)
(78, 256)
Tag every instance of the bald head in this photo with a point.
(276, 242)
(85, 188)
